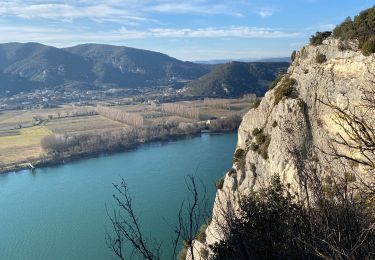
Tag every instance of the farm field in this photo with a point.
(21, 131)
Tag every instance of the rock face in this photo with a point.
(294, 126)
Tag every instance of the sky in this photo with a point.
(188, 30)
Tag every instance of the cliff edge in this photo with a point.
(293, 121)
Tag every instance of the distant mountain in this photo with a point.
(236, 78)
(278, 59)
(223, 61)
(26, 66)
(126, 66)
(10, 83)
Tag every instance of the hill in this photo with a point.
(33, 65)
(223, 61)
(128, 67)
(236, 78)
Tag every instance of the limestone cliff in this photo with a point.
(293, 126)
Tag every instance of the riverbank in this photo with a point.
(53, 160)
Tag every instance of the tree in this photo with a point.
(121, 115)
(126, 227)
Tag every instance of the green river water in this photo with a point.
(59, 212)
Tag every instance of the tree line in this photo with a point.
(68, 145)
(216, 102)
(63, 146)
(120, 115)
(180, 110)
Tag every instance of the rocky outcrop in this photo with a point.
(291, 128)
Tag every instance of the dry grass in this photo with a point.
(81, 124)
(23, 145)
(20, 145)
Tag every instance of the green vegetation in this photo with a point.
(263, 149)
(228, 123)
(293, 55)
(183, 253)
(260, 138)
(239, 158)
(232, 172)
(255, 104)
(368, 46)
(286, 89)
(262, 141)
(274, 83)
(319, 37)
(256, 131)
(361, 28)
(254, 147)
(201, 235)
(87, 66)
(275, 224)
(235, 79)
(219, 183)
(269, 227)
(203, 253)
(321, 58)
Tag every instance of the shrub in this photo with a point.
(268, 227)
(274, 124)
(305, 71)
(183, 253)
(286, 89)
(260, 138)
(254, 147)
(219, 183)
(232, 172)
(252, 167)
(255, 104)
(342, 46)
(203, 252)
(238, 155)
(293, 56)
(368, 46)
(318, 38)
(257, 131)
(362, 28)
(201, 235)
(321, 58)
(274, 83)
(274, 223)
(239, 158)
(263, 149)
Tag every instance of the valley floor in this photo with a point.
(22, 131)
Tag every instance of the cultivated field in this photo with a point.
(21, 132)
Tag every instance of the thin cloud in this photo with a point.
(65, 37)
(194, 7)
(113, 10)
(67, 12)
(266, 12)
(212, 32)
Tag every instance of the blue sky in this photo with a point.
(188, 30)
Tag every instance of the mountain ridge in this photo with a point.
(76, 66)
(236, 78)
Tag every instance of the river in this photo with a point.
(59, 212)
